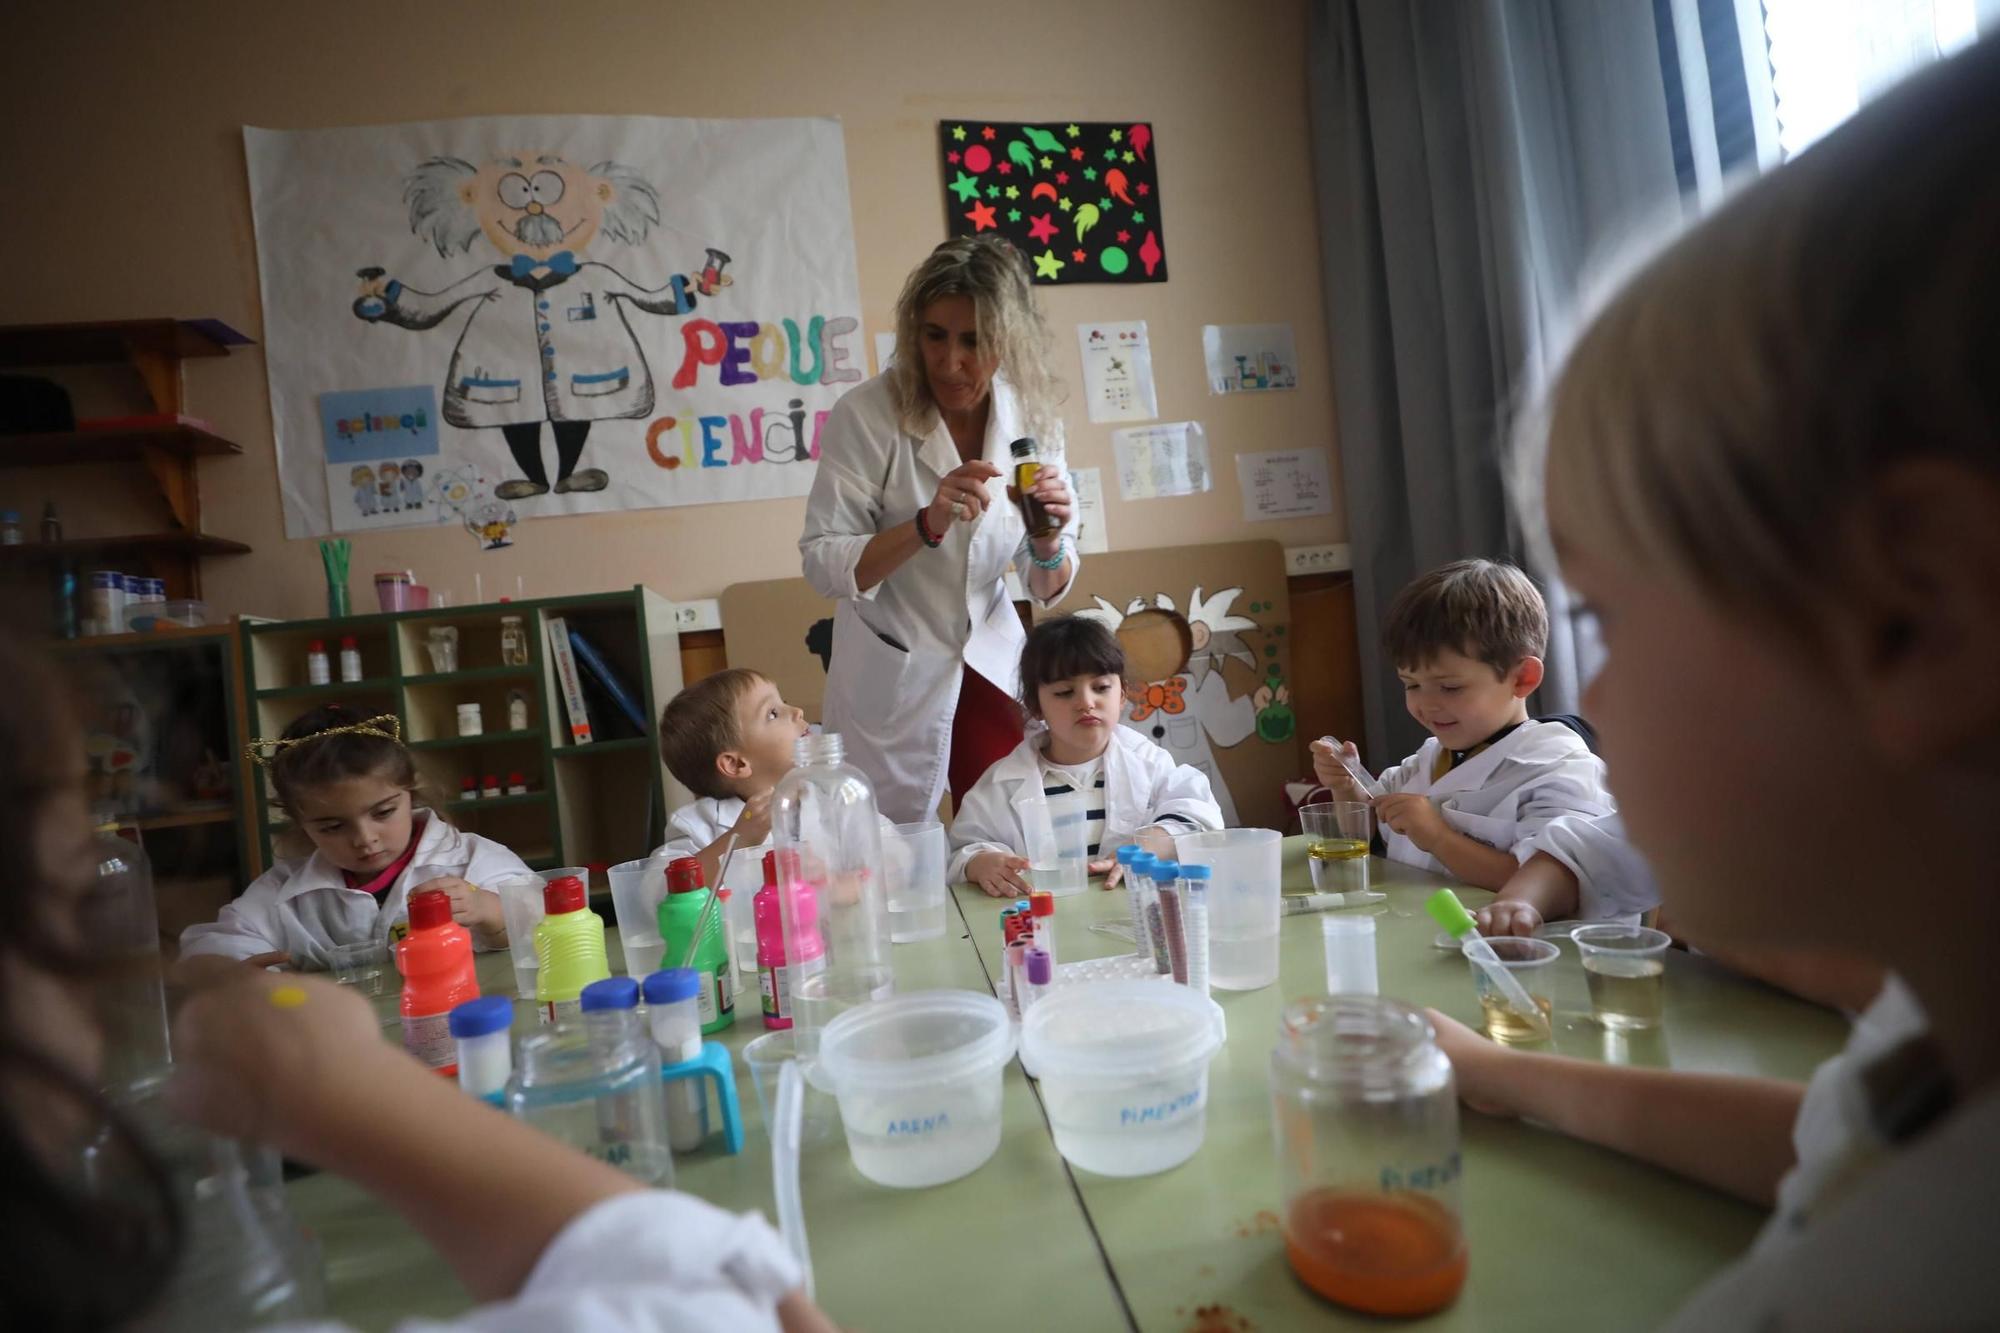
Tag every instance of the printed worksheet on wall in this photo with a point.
(1117, 371)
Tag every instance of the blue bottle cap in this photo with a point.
(1194, 871)
(1166, 869)
(673, 985)
(610, 993)
(482, 1017)
(1129, 853)
(1142, 864)
(1021, 904)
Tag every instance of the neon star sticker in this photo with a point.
(1042, 229)
(1104, 205)
(965, 187)
(1072, 130)
(1048, 266)
(1126, 156)
(1062, 178)
(1013, 192)
(981, 217)
(1076, 154)
(1090, 173)
(958, 133)
(1111, 155)
(952, 157)
(1124, 236)
(1045, 164)
(1145, 188)
(992, 192)
(1013, 215)
(987, 133)
(1137, 216)
(1116, 135)
(1063, 204)
(1078, 255)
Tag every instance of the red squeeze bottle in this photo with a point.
(435, 959)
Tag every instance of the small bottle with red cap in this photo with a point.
(570, 944)
(435, 959)
(1042, 911)
(681, 911)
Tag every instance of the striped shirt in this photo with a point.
(1058, 780)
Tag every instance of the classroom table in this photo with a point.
(1562, 1235)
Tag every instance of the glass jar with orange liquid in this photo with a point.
(1365, 1113)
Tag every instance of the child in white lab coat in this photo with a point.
(1572, 867)
(728, 738)
(1467, 640)
(1072, 682)
(348, 784)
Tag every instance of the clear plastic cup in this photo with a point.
(594, 1083)
(913, 862)
(1069, 820)
(360, 965)
(766, 1056)
(636, 890)
(521, 899)
(1337, 835)
(1528, 961)
(1124, 1072)
(1626, 970)
(918, 1078)
(1350, 955)
(1243, 903)
(1038, 837)
(744, 878)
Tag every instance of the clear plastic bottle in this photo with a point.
(1365, 1113)
(593, 1081)
(121, 926)
(824, 812)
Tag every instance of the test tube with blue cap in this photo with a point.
(1167, 878)
(1126, 855)
(484, 1031)
(673, 1012)
(1194, 912)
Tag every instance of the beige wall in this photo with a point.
(121, 138)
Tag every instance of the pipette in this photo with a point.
(1300, 904)
(1353, 766)
(1445, 909)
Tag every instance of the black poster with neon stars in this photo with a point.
(1080, 199)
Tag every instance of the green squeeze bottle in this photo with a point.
(680, 913)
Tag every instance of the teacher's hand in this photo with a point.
(962, 494)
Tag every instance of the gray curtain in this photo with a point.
(1471, 158)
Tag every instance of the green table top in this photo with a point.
(1561, 1234)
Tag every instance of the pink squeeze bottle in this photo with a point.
(773, 975)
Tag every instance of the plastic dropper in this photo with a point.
(1445, 909)
(1353, 767)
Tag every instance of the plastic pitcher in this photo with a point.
(914, 859)
(636, 890)
(1243, 903)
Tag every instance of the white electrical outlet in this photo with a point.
(691, 616)
(1332, 559)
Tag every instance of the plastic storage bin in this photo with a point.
(918, 1080)
(1124, 1072)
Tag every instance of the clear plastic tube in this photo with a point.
(1194, 910)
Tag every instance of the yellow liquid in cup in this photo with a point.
(1626, 992)
(1511, 1029)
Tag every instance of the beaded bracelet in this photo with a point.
(1055, 561)
(924, 533)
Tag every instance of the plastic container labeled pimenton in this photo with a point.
(918, 1080)
(823, 812)
(483, 1031)
(594, 1083)
(435, 959)
(1124, 1072)
(569, 944)
(1365, 1115)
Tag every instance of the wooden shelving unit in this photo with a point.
(167, 443)
(595, 804)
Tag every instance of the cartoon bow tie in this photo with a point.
(562, 261)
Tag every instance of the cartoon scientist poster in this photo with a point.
(595, 312)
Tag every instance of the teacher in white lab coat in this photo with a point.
(910, 529)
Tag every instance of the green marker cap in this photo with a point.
(1449, 912)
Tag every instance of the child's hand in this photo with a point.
(1157, 841)
(1108, 867)
(998, 874)
(1476, 1061)
(1507, 916)
(1414, 816)
(258, 1056)
(471, 906)
(1331, 774)
(754, 824)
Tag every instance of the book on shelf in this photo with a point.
(598, 670)
(568, 681)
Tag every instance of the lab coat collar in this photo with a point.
(438, 837)
(938, 453)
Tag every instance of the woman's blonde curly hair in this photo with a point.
(1009, 324)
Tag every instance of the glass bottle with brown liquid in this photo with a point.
(1026, 468)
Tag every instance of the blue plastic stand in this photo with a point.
(714, 1062)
